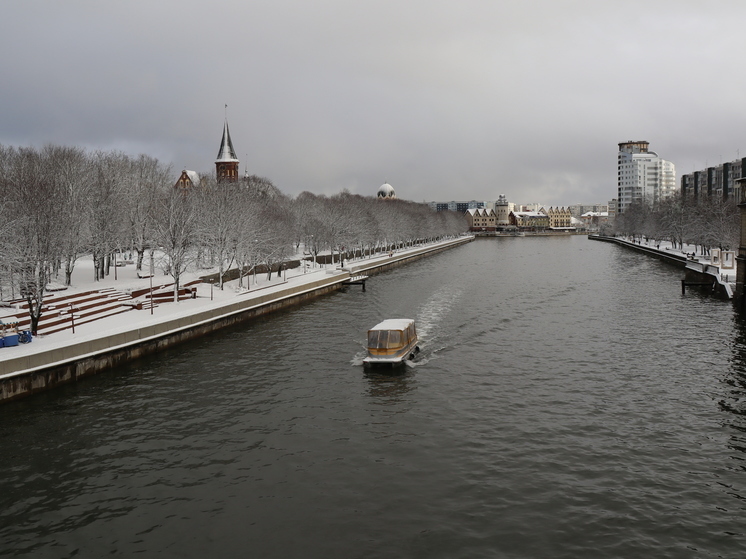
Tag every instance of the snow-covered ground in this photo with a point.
(207, 297)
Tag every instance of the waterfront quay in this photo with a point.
(65, 357)
(716, 275)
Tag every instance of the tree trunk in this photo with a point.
(96, 267)
(68, 272)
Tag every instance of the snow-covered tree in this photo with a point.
(145, 181)
(220, 221)
(108, 231)
(36, 199)
(175, 231)
(72, 169)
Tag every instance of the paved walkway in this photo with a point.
(725, 264)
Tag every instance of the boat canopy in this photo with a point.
(393, 333)
(393, 324)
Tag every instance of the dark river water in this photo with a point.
(568, 402)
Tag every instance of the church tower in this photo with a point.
(226, 165)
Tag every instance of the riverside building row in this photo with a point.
(502, 205)
(500, 219)
(721, 181)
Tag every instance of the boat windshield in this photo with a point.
(384, 339)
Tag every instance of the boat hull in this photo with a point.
(398, 358)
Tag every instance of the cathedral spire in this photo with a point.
(226, 165)
(226, 152)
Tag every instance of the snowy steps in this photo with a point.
(87, 306)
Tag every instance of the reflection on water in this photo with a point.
(568, 402)
(733, 403)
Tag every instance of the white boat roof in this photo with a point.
(393, 324)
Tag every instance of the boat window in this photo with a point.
(378, 338)
(395, 338)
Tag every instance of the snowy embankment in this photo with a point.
(722, 266)
(137, 326)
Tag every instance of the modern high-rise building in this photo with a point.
(642, 175)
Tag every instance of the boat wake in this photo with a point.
(432, 312)
(357, 359)
(429, 319)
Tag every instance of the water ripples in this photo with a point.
(568, 402)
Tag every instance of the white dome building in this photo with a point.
(386, 191)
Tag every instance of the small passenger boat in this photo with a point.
(391, 342)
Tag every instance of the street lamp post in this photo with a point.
(152, 270)
(72, 316)
(313, 253)
(256, 243)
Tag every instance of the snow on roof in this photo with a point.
(480, 211)
(226, 152)
(393, 324)
(193, 176)
(530, 214)
(386, 191)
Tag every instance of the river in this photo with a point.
(568, 402)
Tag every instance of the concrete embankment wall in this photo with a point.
(35, 372)
(361, 267)
(699, 274)
(678, 260)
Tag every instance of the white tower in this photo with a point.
(502, 212)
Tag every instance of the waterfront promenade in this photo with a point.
(65, 356)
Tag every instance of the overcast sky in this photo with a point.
(445, 100)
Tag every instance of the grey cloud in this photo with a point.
(443, 100)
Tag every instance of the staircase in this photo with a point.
(93, 305)
(87, 307)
